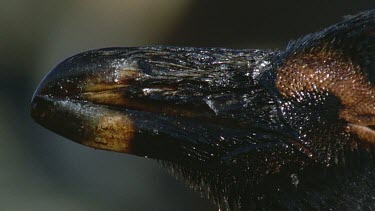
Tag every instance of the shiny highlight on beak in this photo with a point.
(66, 102)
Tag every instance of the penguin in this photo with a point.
(250, 129)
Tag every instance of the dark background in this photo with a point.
(42, 171)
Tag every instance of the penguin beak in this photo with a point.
(108, 99)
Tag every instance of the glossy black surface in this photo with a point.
(228, 132)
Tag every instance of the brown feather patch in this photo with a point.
(319, 71)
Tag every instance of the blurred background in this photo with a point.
(43, 171)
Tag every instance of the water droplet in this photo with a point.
(295, 179)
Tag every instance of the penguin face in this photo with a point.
(233, 123)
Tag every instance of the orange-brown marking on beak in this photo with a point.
(85, 123)
(110, 80)
(108, 96)
(112, 132)
(103, 87)
(100, 91)
(108, 88)
(118, 97)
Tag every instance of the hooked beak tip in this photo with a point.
(60, 105)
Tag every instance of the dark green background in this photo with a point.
(43, 171)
